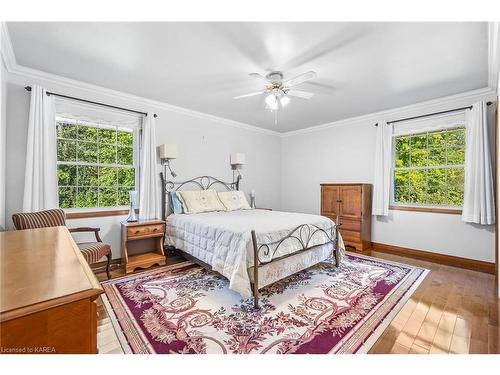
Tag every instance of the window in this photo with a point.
(96, 164)
(428, 168)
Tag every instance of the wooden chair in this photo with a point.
(91, 251)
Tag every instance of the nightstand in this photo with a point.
(142, 244)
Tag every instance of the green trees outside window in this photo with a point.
(95, 165)
(429, 168)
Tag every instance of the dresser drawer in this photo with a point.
(349, 235)
(350, 224)
(147, 230)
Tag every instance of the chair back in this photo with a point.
(41, 219)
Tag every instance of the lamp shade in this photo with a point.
(168, 151)
(237, 158)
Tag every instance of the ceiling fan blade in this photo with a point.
(259, 76)
(300, 78)
(248, 95)
(300, 94)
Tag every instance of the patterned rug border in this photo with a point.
(363, 349)
(109, 309)
(386, 321)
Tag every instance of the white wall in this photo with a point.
(285, 172)
(344, 152)
(3, 126)
(204, 149)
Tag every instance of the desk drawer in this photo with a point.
(147, 230)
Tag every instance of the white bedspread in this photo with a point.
(223, 239)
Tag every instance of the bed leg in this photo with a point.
(336, 254)
(256, 299)
(255, 272)
(336, 242)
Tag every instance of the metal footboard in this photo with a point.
(303, 234)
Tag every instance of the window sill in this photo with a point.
(436, 210)
(100, 213)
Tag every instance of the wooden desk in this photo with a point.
(47, 294)
(142, 244)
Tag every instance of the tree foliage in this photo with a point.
(103, 172)
(428, 168)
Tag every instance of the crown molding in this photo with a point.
(465, 98)
(9, 60)
(28, 73)
(7, 52)
(493, 54)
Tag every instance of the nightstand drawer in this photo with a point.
(147, 230)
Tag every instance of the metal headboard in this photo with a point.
(201, 182)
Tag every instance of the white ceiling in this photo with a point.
(362, 67)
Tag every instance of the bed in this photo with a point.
(251, 248)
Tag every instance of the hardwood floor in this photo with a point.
(453, 311)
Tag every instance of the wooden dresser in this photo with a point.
(48, 294)
(353, 203)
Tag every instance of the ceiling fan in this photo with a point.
(279, 91)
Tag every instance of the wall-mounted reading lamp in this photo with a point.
(237, 161)
(168, 152)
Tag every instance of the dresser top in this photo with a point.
(141, 223)
(345, 184)
(42, 268)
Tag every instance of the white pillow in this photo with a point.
(200, 201)
(234, 200)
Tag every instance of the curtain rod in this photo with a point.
(28, 88)
(432, 114)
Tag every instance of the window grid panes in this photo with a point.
(428, 168)
(95, 165)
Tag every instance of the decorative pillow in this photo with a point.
(234, 200)
(176, 203)
(200, 201)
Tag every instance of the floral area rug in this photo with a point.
(187, 309)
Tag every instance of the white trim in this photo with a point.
(465, 98)
(493, 54)
(140, 101)
(13, 67)
(8, 56)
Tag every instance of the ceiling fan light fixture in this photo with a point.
(272, 102)
(278, 91)
(284, 100)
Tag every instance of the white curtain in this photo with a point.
(40, 181)
(479, 204)
(150, 192)
(382, 169)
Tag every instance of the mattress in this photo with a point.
(223, 239)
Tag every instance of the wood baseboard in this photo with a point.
(449, 260)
